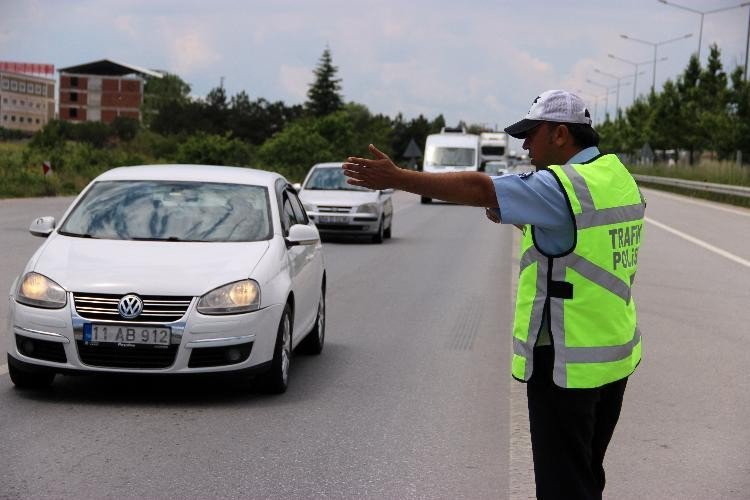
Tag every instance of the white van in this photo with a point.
(451, 152)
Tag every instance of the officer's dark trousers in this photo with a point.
(570, 431)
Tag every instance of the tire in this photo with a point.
(276, 380)
(378, 237)
(23, 379)
(313, 343)
(425, 200)
(387, 233)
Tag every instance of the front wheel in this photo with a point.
(313, 343)
(388, 232)
(378, 237)
(276, 380)
(425, 200)
(23, 379)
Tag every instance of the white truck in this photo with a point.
(452, 150)
(494, 146)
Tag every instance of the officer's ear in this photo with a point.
(561, 135)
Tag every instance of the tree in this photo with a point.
(159, 92)
(324, 95)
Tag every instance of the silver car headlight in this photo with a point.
(233, 298)
(368, 208)
(38, 290)
(309, 207)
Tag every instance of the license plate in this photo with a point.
(332, 219)
(126, 334)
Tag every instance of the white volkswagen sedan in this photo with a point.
(340, 208)
(171, 269)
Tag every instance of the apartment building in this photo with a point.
(101, 91)
(27, 99)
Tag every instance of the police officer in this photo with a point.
(575, 334)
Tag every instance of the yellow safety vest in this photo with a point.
(587, 290)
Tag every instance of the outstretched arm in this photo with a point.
(466, 188)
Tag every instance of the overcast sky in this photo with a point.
(477, 61)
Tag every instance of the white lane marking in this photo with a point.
(3, 369)
(699, 202)
(700, 243)
(520, 463)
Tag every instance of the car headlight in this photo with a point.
(368, 208)
(308, 207)
(39, 291)
(234, 298)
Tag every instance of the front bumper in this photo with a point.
(345, 223)
(54, 339)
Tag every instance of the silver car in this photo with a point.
(340, 208)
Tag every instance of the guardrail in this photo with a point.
(712, 187)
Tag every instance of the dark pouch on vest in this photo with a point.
(561, 289)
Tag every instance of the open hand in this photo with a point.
(380, 173)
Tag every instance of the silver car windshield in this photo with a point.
(330, 179)
(450, 157)
(171, 211)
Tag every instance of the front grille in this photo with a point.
(156, 308)
(41, 349)
(110, 355)
(219, 356)
(339, 227)
(333, 210)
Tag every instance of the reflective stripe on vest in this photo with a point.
(580, 359)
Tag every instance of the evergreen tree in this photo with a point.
(324, 96)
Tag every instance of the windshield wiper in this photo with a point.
(76, 235)
(171, 238)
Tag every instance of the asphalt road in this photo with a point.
(412, 396)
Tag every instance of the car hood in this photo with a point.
(148, 267)
(341, 198)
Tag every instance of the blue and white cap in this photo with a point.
(559, 106)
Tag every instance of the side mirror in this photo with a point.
(42, 226)
(297, 186)
(300, 234)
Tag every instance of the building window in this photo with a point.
(12, 118)
(38, 89)
(5, 118)
(37, 121)
(13, 85)
(5, 100)
(22, 86)
(74, 81)
(74, 96)
(6, 84)
(73, 112)
(30, 88)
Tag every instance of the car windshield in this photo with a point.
(171, 211)
(450, 157)
(330, 178)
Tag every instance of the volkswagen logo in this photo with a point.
(130, 306)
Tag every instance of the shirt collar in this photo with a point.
(585, 155)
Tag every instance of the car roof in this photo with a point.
(199, 173)
(328, 164)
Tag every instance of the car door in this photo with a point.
(306, 267)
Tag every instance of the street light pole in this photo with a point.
(635, 69)
(655, 45)
(702, 13)
(619, 79)
(607, 91)
(747, 42)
